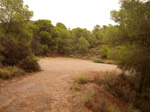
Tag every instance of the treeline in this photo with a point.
(22, 39)
(48, 38)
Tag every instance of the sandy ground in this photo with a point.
(47, 90)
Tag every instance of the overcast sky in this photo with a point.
(74, 13)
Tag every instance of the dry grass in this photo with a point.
(113, 94)
(80, 79)
(88, 98)
(10, 71)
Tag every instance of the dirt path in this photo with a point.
(48, 90)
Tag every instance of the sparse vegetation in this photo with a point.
(74, 87)
(123, 89)
(88, 98)
(102, 104)
(81, 79)
(11, 71)
(113, 108)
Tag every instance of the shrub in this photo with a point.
(15, 71)
(125, 89)
(10, 71)
(98, 61)
(118, 87)
(75, 86)
(29, 64)
(17, 53)
(83, 45)
(105, 51)
(5, 74)
(81, 79)
(13, 51)
(109, 62)
(88, 98)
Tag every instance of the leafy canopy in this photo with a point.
(131, 37)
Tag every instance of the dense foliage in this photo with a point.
(131, 38)
(15, 36)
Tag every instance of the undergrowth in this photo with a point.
(122, 87)
(10, 71)
(125, 88)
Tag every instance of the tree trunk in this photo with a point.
(8, 27)
(141, 84)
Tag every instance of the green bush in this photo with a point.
(29, 64)
(105, 51)
(17, 53)
(13, 51)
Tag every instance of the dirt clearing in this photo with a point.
(47, 90)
